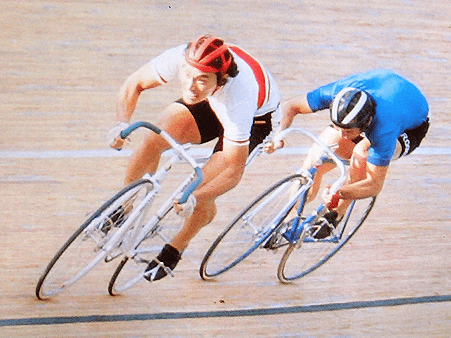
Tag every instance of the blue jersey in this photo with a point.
(400, 106)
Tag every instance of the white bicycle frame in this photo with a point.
(120, 243)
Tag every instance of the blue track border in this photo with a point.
(224, 313)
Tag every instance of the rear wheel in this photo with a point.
(309, 254)
(86, 247)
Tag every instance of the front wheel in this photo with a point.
(131, 269)
(251, 228)
(86, 247)
(309, 254)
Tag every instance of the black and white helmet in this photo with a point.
(352, 108)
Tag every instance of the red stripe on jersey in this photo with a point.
(258, 73)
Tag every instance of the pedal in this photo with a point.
(277, 239)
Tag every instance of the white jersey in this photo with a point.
(253, 92)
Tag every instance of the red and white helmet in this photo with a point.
(209, 54)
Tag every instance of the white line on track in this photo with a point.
(45, 154)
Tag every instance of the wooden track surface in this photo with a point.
(61, 66)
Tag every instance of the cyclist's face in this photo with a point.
(349, 134)
(196, 85)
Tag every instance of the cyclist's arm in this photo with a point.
(315, 100)
(290, 108)
(223, 171)
(370, 186)
(144, 78)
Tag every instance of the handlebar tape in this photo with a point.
(126, 132)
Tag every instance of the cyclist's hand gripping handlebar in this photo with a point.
(327, 150)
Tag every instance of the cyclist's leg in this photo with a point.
(344, 150)
(209, 128)
(357, 164)
(179, 123)
(204, 213)
(206, 209)
(357, 171)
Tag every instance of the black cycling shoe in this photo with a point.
(114, 220)
(163, 264)
(325, 225)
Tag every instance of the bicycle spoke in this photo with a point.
(306, 256)
(250, 229)
(131, 270)
(87, 246)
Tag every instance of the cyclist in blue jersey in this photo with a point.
(376, 116)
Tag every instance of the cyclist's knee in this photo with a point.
(180, 124)
(330, 135)
(322, 170)
(154, 142)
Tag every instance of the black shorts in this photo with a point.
(210, 127)
(411, 139)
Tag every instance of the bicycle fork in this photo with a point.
(298, 231)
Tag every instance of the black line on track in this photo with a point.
(225, 313)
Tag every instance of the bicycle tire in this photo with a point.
(85, 248)
(240, 238)
(131, 270)
(306, 256)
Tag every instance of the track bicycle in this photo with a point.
(143, 248)
(134, 224)
(121, 225)
(264, 224)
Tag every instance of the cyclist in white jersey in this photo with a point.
(226, 94)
